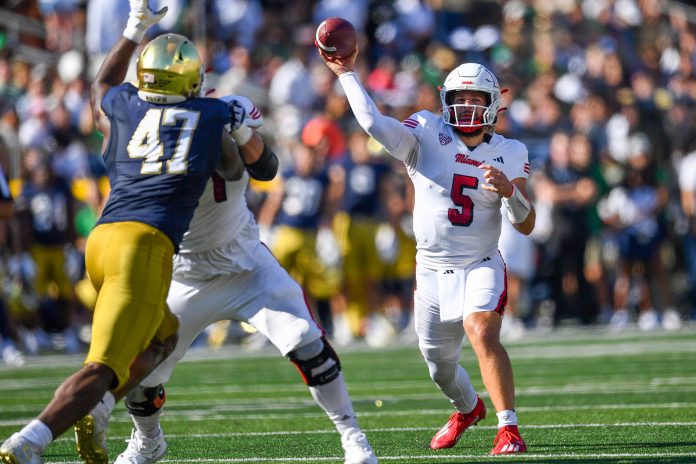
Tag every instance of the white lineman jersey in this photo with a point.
(456, 221)
(264, 296)
(222, 211)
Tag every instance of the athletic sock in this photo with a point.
(334, 400)
(38, 433)
(507, 417)
(147, 426)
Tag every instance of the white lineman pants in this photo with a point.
(261, 294)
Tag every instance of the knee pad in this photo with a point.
(317, 362)
(145, 401)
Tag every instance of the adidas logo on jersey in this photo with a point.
(499, 160)
(444, 139)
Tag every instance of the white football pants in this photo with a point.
(261, 294)
(440, 343)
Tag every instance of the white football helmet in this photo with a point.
(468, 118)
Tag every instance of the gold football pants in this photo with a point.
(130, 266)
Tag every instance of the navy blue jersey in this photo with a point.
(159, 158)
(49, 207)
(362, 191)
(303, 199)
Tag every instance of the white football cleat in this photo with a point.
(357, 449)
(90, 435)
(619, 320)
(648, 320)
(12, 356)
(671, 320)
(19, 450)
(143, 450)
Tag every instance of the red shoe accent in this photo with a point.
(508, 441)
(448, 436)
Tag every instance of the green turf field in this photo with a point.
(583, 396)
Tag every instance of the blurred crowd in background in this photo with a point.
(602, 92)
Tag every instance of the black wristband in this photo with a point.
(264, 168)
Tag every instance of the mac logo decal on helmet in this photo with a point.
(170, 65)
(473, 77)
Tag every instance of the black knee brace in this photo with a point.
(145, 401)
(319, 369)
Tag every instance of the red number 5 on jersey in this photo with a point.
(465, 216)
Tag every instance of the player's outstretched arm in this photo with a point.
(115, 66)
(397, 139)
(112, 72)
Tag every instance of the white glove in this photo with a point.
(140, 19)
(252, 115)
(239, 131)
(237, 111)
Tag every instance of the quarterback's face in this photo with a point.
(469, 105)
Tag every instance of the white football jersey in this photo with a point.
(221, 215)
(456, 221)
(222, 211)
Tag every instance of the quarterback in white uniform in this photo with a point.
(461, 171)
(223, 271)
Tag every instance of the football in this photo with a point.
(336, 37)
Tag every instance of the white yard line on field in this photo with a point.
(421, 429)
(429, 457)
(330, 431)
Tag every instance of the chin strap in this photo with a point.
(469, 131)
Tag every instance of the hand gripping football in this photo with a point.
(336, 37)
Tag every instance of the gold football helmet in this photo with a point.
(170, 65)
